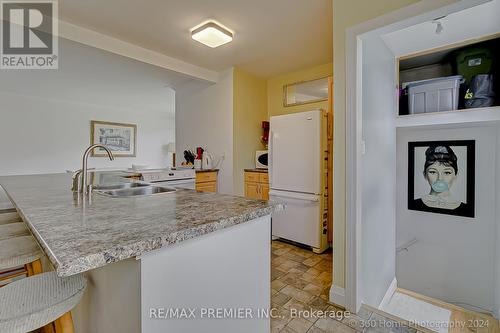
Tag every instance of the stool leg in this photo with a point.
(36, 266)
(49, 328)
(64, 324)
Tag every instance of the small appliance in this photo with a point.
(261, 159)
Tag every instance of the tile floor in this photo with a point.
(300, 281)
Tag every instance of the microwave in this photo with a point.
(261, 159)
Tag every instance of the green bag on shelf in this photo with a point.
(473, 61)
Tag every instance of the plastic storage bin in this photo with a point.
(435, 95)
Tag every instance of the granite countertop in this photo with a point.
(80, 234)
(257, 170)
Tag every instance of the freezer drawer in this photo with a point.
(301, 220)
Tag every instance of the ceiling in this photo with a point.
(271, 36)
(141, 86)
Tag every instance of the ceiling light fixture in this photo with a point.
(439, 25)
(211, 34)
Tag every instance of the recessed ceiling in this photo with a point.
(271, 37)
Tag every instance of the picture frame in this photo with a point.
(441, 177)
(120, 138)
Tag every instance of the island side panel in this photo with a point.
(112, 300)
(227, 269)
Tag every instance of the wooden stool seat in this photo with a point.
(13, 230)
(9, 217)
(18, 251)
(36, 301)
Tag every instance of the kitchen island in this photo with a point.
(152, 259)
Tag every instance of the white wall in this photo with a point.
(453, 259)
(204, 118)
(378, 170)
(474, 22)
(45, 114)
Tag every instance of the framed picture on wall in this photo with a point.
(120, 138)
(441, 177)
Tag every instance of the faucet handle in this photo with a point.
(77, 181)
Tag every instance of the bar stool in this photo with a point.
(34, 302)
(20, 251)
(11, 230)
(9, 217)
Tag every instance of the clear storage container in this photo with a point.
(434, 95)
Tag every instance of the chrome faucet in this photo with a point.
(80, 178)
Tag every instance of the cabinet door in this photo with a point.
(264, 191)
(206, 187)
(252, 190)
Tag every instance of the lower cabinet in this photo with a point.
(206, 181)
(257, 185)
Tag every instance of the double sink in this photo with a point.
(124, 190)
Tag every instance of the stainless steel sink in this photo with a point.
(135, 191)
(120, 186)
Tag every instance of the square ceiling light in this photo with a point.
(212, 34)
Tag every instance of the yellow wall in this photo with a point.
(275, 89)
(249, 110)
(347, 13)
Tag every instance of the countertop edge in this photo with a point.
(136, 249)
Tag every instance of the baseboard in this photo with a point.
(388, 294)
(337, 295)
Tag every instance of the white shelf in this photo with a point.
(457, 117)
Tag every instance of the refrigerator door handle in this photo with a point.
(297, 196)
(270, 158)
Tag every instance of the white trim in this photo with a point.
(422, 11)
(337, 295)
(388, 294)
(117, 46)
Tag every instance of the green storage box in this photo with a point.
(473, 61)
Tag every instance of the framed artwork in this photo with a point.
(120, 138)
(441, 177)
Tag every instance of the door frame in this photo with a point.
(423, 11)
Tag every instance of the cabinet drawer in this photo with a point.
(207, 187)
(202, 177)
(252, 177)
(264, 178)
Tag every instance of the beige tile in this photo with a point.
(294, 304)
(332, 325)
(279, 299)
(318, 303)
(294, 280)
(313, 271)
(299, 325)
(314, 329)
(313, 289)
(276, 273)
(292, 256)
(277, 285)
(287, 265)
(312, 261)
(298, 294)
(281, 251)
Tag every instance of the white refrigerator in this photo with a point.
(296, 176)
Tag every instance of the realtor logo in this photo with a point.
(29, 35)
